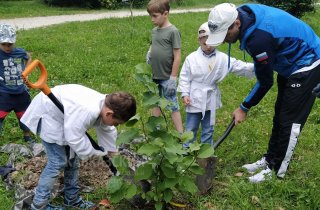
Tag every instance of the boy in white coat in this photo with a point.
(84, 108)
(202, 70)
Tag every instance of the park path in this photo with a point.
(36, 22)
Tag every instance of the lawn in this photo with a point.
(102, 55)
(33, 8)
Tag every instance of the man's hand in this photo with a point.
(186, 101)
(316, 90)
(239, 115)
(171, 86)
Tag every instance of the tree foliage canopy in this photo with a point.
(296, 8)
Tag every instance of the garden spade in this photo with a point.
(41, 84)
(204, 181)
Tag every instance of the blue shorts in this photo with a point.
(173, 99)
(14, 102)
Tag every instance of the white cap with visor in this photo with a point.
(221, 17)
(7, 34)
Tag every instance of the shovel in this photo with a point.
(204, 181)
(225, 134)
(41, 84)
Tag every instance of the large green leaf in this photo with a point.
(114, 184)
(153, 124)
(149, 149)
(119, 195)
(121, 163)
(140, 77)
(168, 170)
(186, 136)
(187, 183)
(172, 157)
(206, 150)
(163, 134)
(167, 195)
(133, 120)
(131, 191)
(196, 170)
(127, 136)
(143, 68)
(170, 182)
(188, 161)
(158, 142)
(144, 171)
(194, 147)
(175, 148)
(158, 206)
(163, 103)
(150, 100)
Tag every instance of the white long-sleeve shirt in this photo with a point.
(200, 75)
(82, 108)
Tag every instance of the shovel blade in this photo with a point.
(204, 181)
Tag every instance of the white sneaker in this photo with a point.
(263, 175)
(253, 167)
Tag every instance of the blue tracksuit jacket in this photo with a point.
(277, 41)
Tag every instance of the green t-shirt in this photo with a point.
(164, 40)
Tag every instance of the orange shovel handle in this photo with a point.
(41, 83)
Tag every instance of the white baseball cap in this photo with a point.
(7, 34)
(203, 30)
(221, 17)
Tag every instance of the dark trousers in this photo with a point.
(292, 108)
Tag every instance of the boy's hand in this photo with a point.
(172, 86)
(100, 153)
(316, 90)
(186, 100)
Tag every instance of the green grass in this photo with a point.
(33, 8)
(102, 55)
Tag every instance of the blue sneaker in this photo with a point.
(81, 204)
(47, 207)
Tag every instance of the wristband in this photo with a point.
(243, 108)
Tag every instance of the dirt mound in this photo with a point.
(93, 172)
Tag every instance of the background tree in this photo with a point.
(296, 8)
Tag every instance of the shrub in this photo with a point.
(169, 168)
(296, 8)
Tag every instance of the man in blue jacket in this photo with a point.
(279, 42)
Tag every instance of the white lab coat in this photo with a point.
(200, 75)
(82, 108)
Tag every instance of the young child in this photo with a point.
(200, 74)
(165, 56)
(84, 108)
(14, 94)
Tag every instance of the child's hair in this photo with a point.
(122, 104)
(158, 6)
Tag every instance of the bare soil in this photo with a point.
(93, 172)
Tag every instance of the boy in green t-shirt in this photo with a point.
(164, 56)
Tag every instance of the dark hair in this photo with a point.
(158, 6)
(122, 104)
